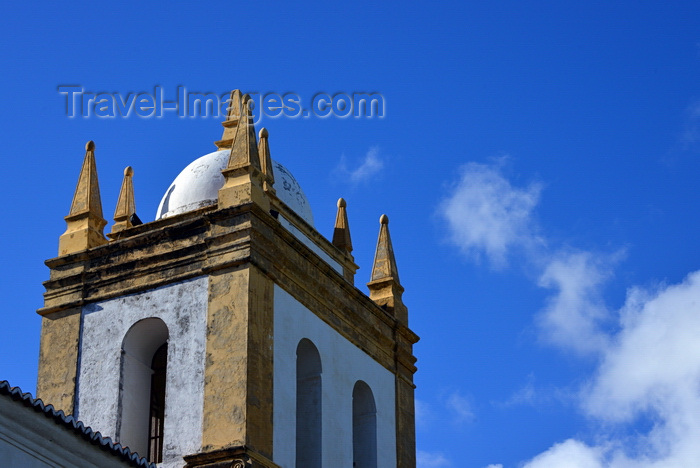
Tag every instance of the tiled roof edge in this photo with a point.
(59, 417)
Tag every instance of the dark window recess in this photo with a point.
(157, 417)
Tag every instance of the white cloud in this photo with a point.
(650, 371)
(691, 133)
(460, 407)
(431, 460)
(568, 454)
(656, 355)
(486, 215)
(644, 397)
(495, 466)
(424, 414)
(573, 315)
(370, 166)
(525, 395)
(531, 395)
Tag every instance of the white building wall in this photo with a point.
(30, 439)
(343, 364)
(22, 453)
(310, 244)
(183, 308)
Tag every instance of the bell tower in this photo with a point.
(228, 332)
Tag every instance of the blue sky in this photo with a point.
(538, 162)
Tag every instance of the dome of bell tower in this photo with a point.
(198, 185)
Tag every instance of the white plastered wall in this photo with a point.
(183, 308)
(310, 244)
(32, 439)
(342, 365)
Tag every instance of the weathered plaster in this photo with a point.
(226, 363)
(183, 308)
(58, 359)
(343, 364)
(238, 375)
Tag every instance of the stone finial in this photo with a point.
(266, 161)
(85, 222)
(239, 132)
(243, 176)
(384, 286)
(341, 230)
(244, 148)
(231, 123)
(126, 204)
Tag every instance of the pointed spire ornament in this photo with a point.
(124, 213)
(231, 123)
(85, 223)
(341, 230)
(384, 286)
(239, 132)
(266, 162)
(243, 175)
(244, 148)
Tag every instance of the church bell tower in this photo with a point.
(228, 332)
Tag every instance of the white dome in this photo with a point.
(198, 185)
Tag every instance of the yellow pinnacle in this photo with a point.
(231, 123)
(239, 133)
(384, 286)
(85, 222)
(341, 231)
(243, 176)
(266, 161)
(384, 266)
(126, 204)
(244, 149)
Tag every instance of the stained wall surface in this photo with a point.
(183, 309)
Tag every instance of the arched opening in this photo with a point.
(308, 431)
(142, 388)
(364, 427)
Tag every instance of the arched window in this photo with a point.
(308, 431)
(142, 388)
(364, 427)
